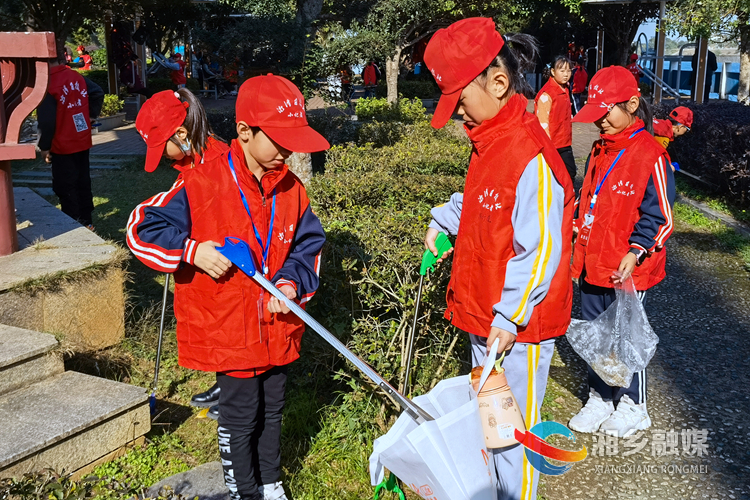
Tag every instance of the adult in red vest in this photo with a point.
(510, 281)
(552, 108)
(624, 218)
(370, 77)
(580, 82)
(64, 121)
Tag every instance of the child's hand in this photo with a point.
(210, 260)
(507, 339)
(429, 243)
(277, 306)
(626, 268)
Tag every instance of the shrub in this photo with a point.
(99, 57)
(98, 76)
(717, 148)
(112, 105)
(420, 89)
(373, 108)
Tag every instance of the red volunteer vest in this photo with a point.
(617, 208)
(580, 80)
(72, 130)
(178, 76)
(224, 325)
(560, 124)
(503, 147)
(663, 128)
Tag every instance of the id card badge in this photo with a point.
(585, 232)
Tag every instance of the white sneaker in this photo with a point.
(627, 419)
(272, 491)
(593, 414)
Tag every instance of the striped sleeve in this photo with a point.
(537, 241)
(302, 268)
(158, 230)
(655, 225)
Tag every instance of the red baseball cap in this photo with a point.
(456, 55)
(683, 116)
(158, 120)
(633, 57)
(609, 86)
(276, 106)
(80, 48)
(177, 55)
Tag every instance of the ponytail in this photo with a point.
(518, 56)
(196, 121)
(643, 112)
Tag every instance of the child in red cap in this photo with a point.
(510, 279)
(552, 107)
(623, 220)
(679, 122)
(174, 125)
(225, 322)
(634, 69)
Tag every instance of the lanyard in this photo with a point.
(601, 182)
(255, 230)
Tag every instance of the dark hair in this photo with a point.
(643, 112)
(518, 56)
(196, 122)
(557, 63)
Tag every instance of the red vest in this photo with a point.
(503, 147)
(72, 129)
(178, 75)
(560, 124)
(663, 128)
(224, 324)
(580, 80)
(617, 208)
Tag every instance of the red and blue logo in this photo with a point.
(538, 450)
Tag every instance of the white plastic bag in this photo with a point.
(443, 459)
(620, 342)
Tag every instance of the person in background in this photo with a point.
(711, 67)
(679, 122)
(197, 63)
(64, 120)
(634, 69)
(580, 81)
(552, 108)
(83, 61)
(370, 77)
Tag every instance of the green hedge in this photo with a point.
(98, 76)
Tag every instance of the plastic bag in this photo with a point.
(620, 342)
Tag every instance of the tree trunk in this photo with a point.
(301, 165)
(743, 91)
(307, 12)
(391, 75)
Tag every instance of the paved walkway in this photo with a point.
(120, 141)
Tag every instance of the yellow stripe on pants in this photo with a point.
(533, 352)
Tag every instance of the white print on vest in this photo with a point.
(80, 122)
(224, 440)
(283, 234)
(624, 188)
(488, 199)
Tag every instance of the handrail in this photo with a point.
(679, 63)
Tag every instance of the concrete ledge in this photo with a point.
(69, 421)
(26, 358)
(65, 279)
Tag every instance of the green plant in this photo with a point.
(112, 105)
(99, 57)
(98, 76)
(420, 89)
(406, 110)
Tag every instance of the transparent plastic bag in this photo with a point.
(620, 342)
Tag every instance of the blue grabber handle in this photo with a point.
(238, 253)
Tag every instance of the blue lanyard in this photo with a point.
(601, 182)
(265, 249)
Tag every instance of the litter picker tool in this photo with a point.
(443, 244)
(152, 398)
(238, 252)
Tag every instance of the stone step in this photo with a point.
(97, 166)
(44, 191)
(69, 422)
(26, 357)
(33, 173)
(28, 182)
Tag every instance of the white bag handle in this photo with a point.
(489, 363)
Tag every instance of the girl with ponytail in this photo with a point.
(552, 107)
(510, 282)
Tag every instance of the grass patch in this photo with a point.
(690, 189)
(727, 239)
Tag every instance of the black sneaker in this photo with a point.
(206, 399)
(213, 412)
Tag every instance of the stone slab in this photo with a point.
(46, 182)
(44, 191)
(68, 421)
(32, 173)
(26, 358)
(205, 481)
(96, 166)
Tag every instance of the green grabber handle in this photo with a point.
(443, 244)
(390, 484)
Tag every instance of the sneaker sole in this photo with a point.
(596, 427)
(642, 426)
(196, 404)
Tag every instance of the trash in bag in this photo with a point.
(620, 342)
(442, 459)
